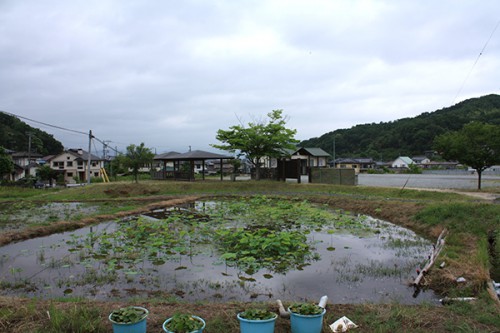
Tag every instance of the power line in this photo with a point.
(475, 62)
(39, 122)
(60, 128)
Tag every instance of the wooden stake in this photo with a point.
(435, 253)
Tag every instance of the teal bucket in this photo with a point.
(195, 317)
(306, 324)
(139, 327)
(257, 326)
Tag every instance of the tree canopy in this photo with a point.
(476, 145)
(45, 172)
(258, 139)
(14, 136)
(407, 136)
(6, 163)
(137, 157)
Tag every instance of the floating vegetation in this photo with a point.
(253, 246)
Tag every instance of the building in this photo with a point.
(358, 164)
(25, 164)
(73, 165)
(312, 157)
(402, 162)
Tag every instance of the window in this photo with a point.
(96, 174)
(69, 163)
(69, 174)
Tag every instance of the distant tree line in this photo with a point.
(407, 136)
(14, 136)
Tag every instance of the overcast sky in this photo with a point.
(171, 73)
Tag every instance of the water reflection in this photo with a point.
(352, 260)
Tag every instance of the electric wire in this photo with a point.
(475, 62)
(39, 122)
(62, 128)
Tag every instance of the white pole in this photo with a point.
(89, 158)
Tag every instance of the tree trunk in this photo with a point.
(257, 171)
(479, 172)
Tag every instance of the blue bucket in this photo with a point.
(257, 326)
(195, 317)
(306, 324)
(139, 327)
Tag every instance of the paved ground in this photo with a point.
(463, 182)
(448, 183)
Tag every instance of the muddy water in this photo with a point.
(26, 213)
(350, 268)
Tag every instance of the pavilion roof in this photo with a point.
(194, 155)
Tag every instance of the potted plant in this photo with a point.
(306, 318)
(257, 321)
(130, 319)
(184, 323)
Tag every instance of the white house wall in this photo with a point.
(74, 166)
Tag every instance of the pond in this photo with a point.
(247, 249)
(17, 216)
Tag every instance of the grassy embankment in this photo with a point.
(470, 223)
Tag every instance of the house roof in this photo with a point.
(316, 152)
(25, 154)
(195, 155)
(362, 160)
(419, 158)
(405, 159)
(84, 155)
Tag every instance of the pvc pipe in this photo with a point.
(322, 301)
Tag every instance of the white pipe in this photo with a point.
(282, 311)
(322, 301)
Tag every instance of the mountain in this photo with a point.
(14, 136)
(407, 136)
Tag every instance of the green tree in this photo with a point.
(45, 172)
(117, 166)
(257, 140)
(136, 158)
(6, 163)
(476, 145)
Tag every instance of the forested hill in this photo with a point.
(14, 136)
(407, 136)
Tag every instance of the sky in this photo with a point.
(171, 73)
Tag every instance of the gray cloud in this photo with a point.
(171, 74)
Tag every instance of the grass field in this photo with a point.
(471, 223)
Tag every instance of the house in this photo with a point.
(402, 162)
(420, 160)
(25, 164)
(439, 165)
(358, 164)
(311, 157)
(73, 165)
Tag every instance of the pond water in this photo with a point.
(16, 216)
(257, 249)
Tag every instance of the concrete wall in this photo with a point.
(334, 176)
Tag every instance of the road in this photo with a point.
(461, 182)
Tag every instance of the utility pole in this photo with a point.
(334, 150)
(29, 148)
(89, 157)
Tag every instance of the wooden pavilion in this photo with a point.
(183, 164)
